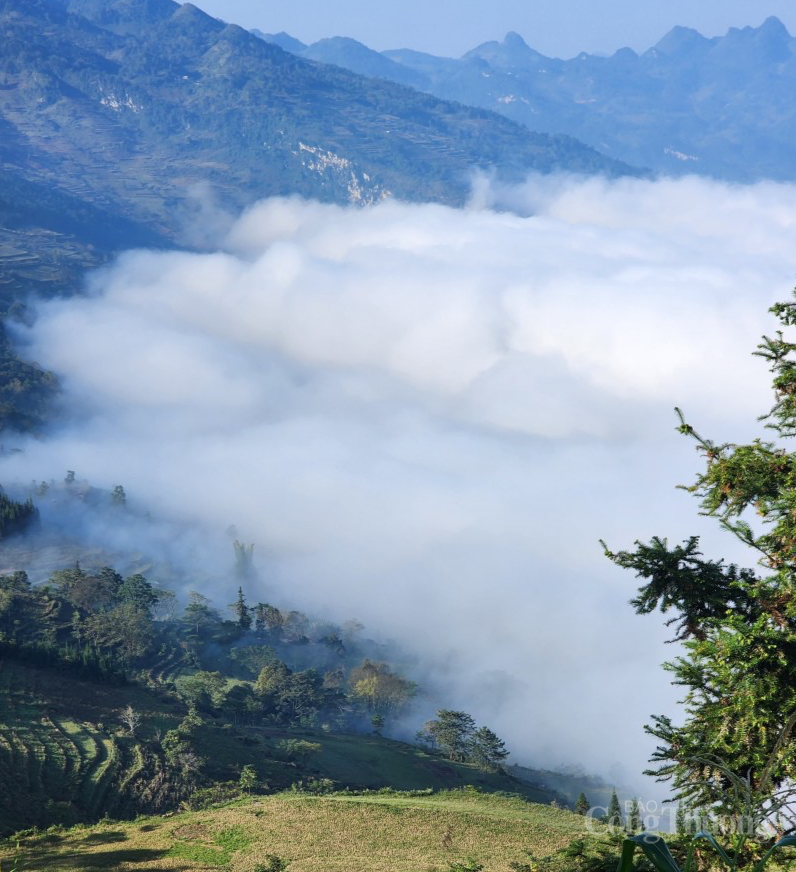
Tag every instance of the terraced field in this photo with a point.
(60, 768)
(340, 833)
(65, 758)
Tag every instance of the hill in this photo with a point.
(117, 698)
(114, 114)
(720, 107)
(126, 124)
(66, 758)
(355, 833)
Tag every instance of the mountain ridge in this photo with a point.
(718, 106)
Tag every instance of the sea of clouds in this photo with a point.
(425, 418)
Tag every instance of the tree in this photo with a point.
(380, 688)
(135, 589)
(199, 614)
(118, 496)
(252, 658)
(125, 627)
(487, 751)
(130, 718)
(240, 608)
(614, 816)
(451, 733)
(634, 816)
(202, 690)
(268, 619)
(248, 778)
(301, 696)
(16, 517)
(165, 606)
(582, 805)
(272, 678)
(737, 625)
(377, 722)
(299, 749)
(237, 701)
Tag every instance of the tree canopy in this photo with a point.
(737, 625)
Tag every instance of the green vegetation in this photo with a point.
(26, 390)
(454, 735)
(16, 517)
(657, 852)
(383, 832)
(119, 703)
(737, 625)
(98, 102)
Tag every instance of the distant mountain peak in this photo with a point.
(341, 41)
(771, 27)
(282, 39)
(512, 50)
(680, 39)
(773, 24)
(513, 40)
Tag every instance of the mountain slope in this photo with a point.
(126, 123)
(127, 105)
(64, 757)
(721, 107)
(338, 833)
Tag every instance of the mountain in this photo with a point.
(125, 105)
(720, 107)
(121, 121)
(355, 56)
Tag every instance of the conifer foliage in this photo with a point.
(14, 516)
(614, 816)
(454, 734)
(737, 625)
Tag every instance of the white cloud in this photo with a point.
(426, 418)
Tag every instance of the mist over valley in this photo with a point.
(319, 396)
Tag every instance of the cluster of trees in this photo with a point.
(278, 696)
(97, 621)
(105, 626)
(15, 517)
(455, 735)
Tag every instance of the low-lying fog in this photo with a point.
(426, 418)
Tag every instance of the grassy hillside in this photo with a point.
(65, 756)
(371, 833)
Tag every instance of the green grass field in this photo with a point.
(65, 757)
(339, 833)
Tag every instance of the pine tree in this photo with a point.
(118, 496)
(582, 805)
(487, 751)
(242, 611)
(614, 816)
(451, 732)
(737, 625)
(634, 817)
(16, 517)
